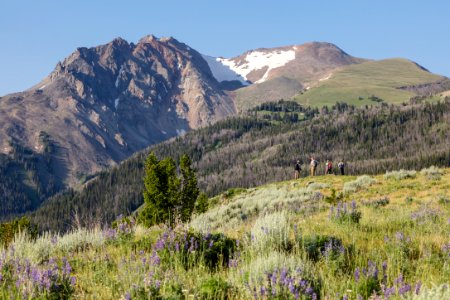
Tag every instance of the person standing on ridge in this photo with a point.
(341, 166)
(313, 166)
(329, 167)
(297, 170)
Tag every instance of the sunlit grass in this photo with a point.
(409, 232)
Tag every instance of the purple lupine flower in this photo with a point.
(73, 280)
(399, 236)
(67, 269)
(273, 278)
(399, 279)
(345, 297)
(353, 206)
(262, 291)
(417, 287)
(157, 284)
(359, 297)
(127, 296)
(160, 244)
(404, 289)
(155, 260)
(357, 274)
(211, 244)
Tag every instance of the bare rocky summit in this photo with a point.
(102, 104)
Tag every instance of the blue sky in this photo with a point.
(35, 35)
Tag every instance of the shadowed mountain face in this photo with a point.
(102, 104)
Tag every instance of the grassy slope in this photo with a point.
(379, 78)
(109, 270)
(271, 90)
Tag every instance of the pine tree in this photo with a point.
(161, 192)
(166, 196)
(189, 189)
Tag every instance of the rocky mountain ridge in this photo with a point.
(102, 104)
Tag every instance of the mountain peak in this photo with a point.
(148, 39)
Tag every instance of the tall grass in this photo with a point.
(284, 248)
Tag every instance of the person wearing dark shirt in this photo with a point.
(297, 170)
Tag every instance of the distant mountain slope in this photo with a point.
(245, 152)
(283, 72)
(320, 74)
(383, 79)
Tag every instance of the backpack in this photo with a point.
(315, 163)
(330, 166)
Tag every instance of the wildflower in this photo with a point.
(357, 274)
(262, 291)
(399, 279)
(388, 292)
(157, 284)
(127, 296)
(155, 259)
(404, 289)
(417, 287)
(73, 280)
(399, 236)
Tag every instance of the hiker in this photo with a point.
(341, 166)
(313, 165)
(297, 170)
(329, 167)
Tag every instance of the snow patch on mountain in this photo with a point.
(221, 71)
(256, 60)
(121, 70)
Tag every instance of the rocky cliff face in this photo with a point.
(102, 104)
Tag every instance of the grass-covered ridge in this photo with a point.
(355, 84)
(305, 238)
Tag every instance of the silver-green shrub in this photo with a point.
(432, 173)
(399, 175)
(358, 184)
